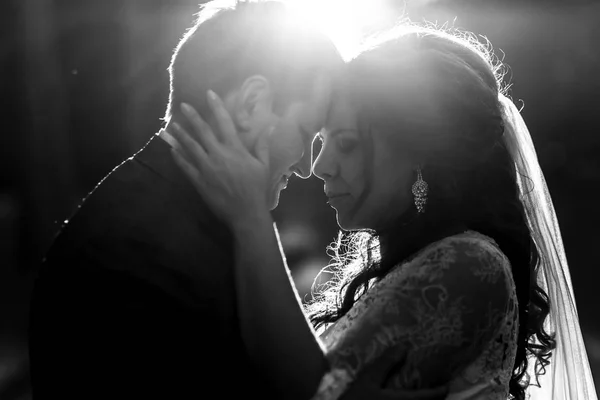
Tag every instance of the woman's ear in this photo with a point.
(253, 106)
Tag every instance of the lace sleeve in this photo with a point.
(444, 308)
(436, 314)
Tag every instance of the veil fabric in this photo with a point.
(568, 376)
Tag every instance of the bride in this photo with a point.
(452, 257)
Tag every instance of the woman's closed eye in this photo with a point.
(346, 143)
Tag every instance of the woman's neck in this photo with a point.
(405, 240)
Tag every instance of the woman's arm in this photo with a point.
(276, 332)
(233, 182)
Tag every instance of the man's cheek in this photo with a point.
(283, 157)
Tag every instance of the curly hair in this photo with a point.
(435, 92)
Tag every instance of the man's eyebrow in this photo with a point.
(309, 132)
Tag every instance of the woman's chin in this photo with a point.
(347, 224)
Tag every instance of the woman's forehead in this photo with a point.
(342, 114)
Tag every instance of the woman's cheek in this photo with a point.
(353, 169)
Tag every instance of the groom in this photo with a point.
(135, 299)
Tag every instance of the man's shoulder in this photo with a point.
(143, 193)
(142, 235)
(136, 214)
(146, 187)
(127, 193)
(132, 209)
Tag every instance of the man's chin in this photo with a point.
(273, 200)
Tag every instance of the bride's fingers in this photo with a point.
(203, 133)
(227, 129)
(167, 137)
(188, 147)
(193, 173)
(262, 147)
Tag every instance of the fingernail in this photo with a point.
(212, 95)
(176, 126)
(186, 108)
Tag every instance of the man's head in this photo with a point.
(271, 69)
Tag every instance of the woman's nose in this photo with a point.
(324, 165)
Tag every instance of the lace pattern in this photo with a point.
(448, 315)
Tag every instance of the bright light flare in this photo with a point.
(345, 21)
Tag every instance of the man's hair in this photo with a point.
(233, 40)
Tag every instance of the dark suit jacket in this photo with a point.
(136, 299)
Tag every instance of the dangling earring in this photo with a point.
(419, 191)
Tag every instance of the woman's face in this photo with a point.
(367, 189)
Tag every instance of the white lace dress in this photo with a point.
(450, 315)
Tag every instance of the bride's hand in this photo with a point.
(227, 175)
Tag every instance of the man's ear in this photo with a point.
(254, 103)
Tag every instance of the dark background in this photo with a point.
(84, 84)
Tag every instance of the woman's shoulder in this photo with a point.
(471, 244)
(459, 255)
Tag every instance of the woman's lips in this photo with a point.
(335, 200)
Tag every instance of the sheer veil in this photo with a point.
(568, 376)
